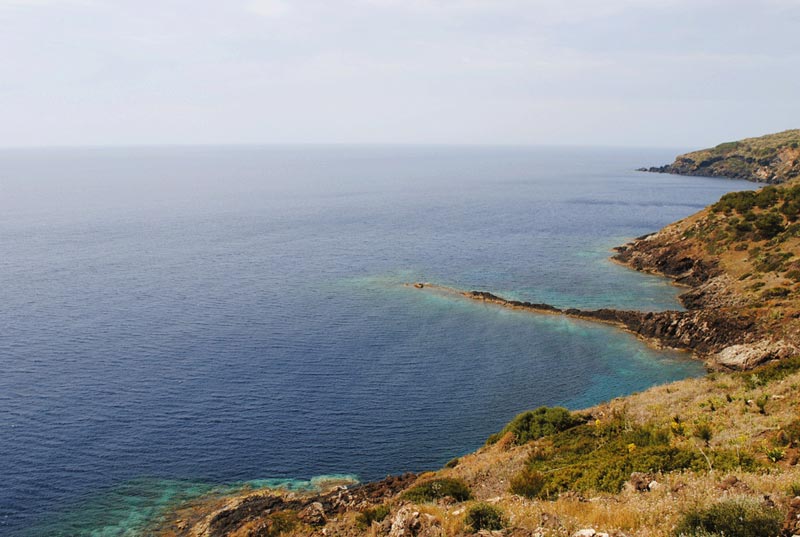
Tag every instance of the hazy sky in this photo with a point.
(604, 72)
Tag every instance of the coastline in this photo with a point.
(724, 325)
(215, 516)
(491, 467)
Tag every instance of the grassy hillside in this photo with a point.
(774, 158)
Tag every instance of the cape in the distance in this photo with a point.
(773, 158)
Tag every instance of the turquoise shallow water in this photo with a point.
(182, 320)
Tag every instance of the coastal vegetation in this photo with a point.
(743, 517)
(483, 516)
(535, 424)
(439, 488)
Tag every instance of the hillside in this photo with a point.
(774, 158)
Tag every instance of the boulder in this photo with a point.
(641, 481)
(792, 524)
(313, 515)
(409, 523)
(747, 356)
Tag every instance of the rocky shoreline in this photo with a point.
(714, 327)
(719, 326)
(245, 513)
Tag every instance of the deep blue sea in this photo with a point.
(178, 319)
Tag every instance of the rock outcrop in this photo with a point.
(704, 332)
(251, 514)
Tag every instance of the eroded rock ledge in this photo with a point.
(704, 332)
(720, 324)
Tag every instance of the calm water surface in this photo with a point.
(175, 319)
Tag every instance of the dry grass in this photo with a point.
(719, 399)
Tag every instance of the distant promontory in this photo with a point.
(774, 158)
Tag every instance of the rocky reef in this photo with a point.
(272, 512)
(774, 158)
(707, 332)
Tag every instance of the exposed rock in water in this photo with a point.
(702, 331)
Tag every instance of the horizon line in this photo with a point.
(331, 145)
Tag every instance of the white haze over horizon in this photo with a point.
(682, 73)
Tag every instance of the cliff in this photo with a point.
(774, 158)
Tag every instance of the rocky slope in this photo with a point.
(740, 259)
(774, 158)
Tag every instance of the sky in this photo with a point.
(660, 73)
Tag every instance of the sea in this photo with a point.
(179, 321)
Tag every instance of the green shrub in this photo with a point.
(535, 424)
(776, 292)
(789, 435)
(769, 224)
(771, 262)
(794, 489)
(793, 230)
(761, 403)
(376, 514)
(738, 517)
(452, 463)
(726, 460)
(439, 488)
(280, 522)
(771, 372)
(601, 458)
(791, 209)
(483, 516)
(775, 454)
(740, 202)
(766, 197)
(702, 431)
(528, 483)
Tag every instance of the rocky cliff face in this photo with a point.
(731, 323)
(774, 158)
